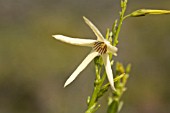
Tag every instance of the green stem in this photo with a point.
(92, 102)
(98, 85)
(120, 23)
(115, 104)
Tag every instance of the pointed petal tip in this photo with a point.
(113, 87)
(94, 29)
(66, 84)
(56, 36)
(53, 35)
(84, 18)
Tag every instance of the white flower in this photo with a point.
(99, 47)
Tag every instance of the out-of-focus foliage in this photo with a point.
(34, 66)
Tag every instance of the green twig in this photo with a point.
(99, 88)
(121, 18)
(92, 102)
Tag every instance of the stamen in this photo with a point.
(100, 47)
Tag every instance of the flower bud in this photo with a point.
(143, 12)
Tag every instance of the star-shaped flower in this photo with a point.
(100, 47)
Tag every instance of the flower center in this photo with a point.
(100, 47)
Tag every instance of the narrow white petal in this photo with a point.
(112, 49)
(81, 67)
(95, 30)
(75, 41)
(108, 70)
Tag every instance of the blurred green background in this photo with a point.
(34, 66)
